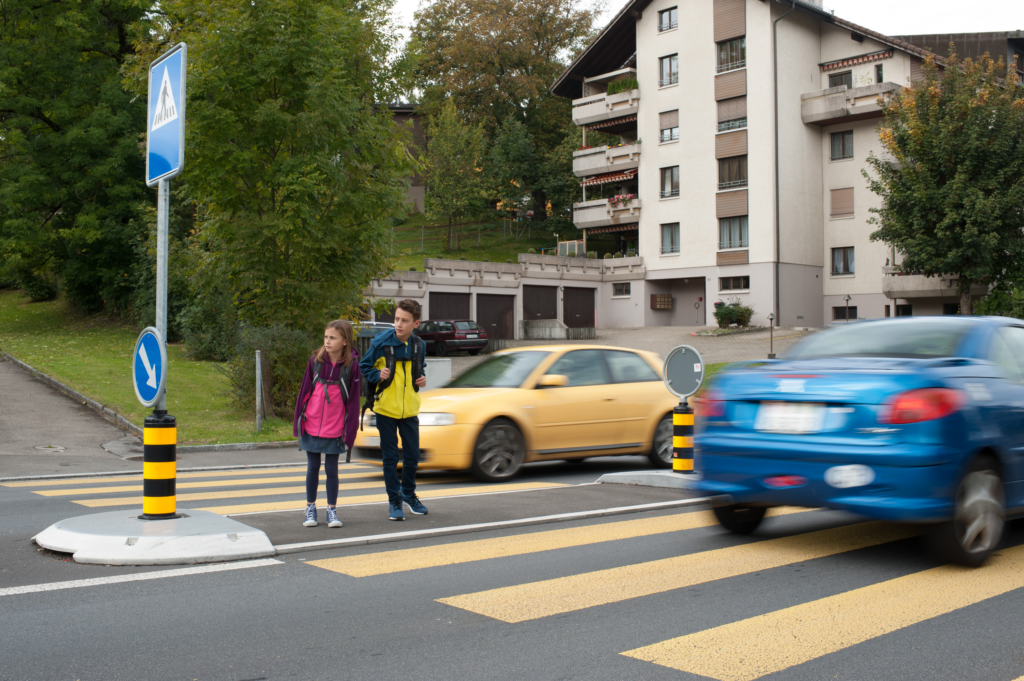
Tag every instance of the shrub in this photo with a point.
(37, 287)
(607, 256)
(623, 85)
(209, 327)
(617, 255)
(531, 251)
(485, 260)
(733, 313)
(592, 255)
(284, 354)
(509, 261)
(412, 269)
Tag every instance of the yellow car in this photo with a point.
(539, 404)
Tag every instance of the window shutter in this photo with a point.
(730, 19)
(731, 109)
(842, 202)
(669, 119)
(731, 204)
(731, 144)
(732, 84)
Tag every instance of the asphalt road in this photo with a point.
(655, 595)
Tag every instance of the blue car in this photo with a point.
(910, 420)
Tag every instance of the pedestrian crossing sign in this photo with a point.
(165, 128)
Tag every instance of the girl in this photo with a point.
(327, 414)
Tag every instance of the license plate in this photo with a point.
(789, 417)
(371, 442)
(471, 335)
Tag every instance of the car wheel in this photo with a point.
(499, 453)
(475, 352)
(661, 453)
(978, 520)
(740, 519)
(440, 349)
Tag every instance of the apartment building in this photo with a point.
(743, 141)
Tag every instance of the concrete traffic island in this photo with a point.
(121, 538)
(651, 479)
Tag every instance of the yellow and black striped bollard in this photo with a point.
(682, 439)
(159, 467)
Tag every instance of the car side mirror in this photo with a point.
(553, 381)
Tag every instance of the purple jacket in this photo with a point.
(333, 372)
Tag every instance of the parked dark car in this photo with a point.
(445, 335)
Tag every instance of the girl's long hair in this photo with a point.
(345, 330)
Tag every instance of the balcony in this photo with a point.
(899, 285)
(605, 107)
(605, 160)
(600, 213)
(843, 104)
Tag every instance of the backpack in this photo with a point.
(346, 377)
(417, 345)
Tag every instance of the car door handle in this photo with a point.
(608, 399)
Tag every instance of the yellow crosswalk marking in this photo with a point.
(241, 493)
(516, 545)
(195, 485)
(376, 498)
(181, 476)
(554, 596)
(763, 645)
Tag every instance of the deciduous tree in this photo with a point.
(456, 186)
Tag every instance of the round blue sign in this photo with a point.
(149, 367)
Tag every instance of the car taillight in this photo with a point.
(926, 404)
(709, 405)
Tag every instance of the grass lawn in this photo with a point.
(93, 355)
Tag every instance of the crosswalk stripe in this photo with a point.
(377, 498)
(403, 560)
(755, 647)
(195, 485)
(241, 493)
(138, 475)
(576, 592)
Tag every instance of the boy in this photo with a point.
(397, 362)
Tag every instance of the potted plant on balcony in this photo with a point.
(620, 200)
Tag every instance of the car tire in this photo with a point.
(740, 519)
(499, 452)
(979, 517)
(440, 349)
(474, 353)
(661, 451)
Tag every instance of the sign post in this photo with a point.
(683, 376)
(165, 158)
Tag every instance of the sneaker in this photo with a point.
(332, 518)
(310, 520)
(414, 504)
(395, 512)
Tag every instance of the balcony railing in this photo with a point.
(671, 80)
(601, 160)
(732, 66)
(841, 103)
(667, 26)
(670, 249)
(738, 243)
(669, 135)
(669, 193)
(732, 184)
(734, 124)
(600, 213)
(604, 107)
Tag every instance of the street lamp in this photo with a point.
(771, 335)
(847, 299)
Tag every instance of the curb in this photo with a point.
(105, 474)
(669, 479)
(129, 427)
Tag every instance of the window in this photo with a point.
(620, 289)
(904, 310)
(669, 70)
(842, 260)
(839, 313)
(668, 19)
(732, 172)
(427, 327)
(582, 367)
(500, 371)
(842, 203)
(734, 283)
(466, 326)
(669, 122)
(670, 238)
(628, 367)
(445, 326)
(1005, 350)
(669, 182)
(879, 77)
(732, 232)
(950, 308)
(732, 114)
(732, 54)
(842, 145)
(837, 79)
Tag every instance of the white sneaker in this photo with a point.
(332, 518)
(310, 520)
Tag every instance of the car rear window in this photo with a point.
(897, 338)
(465, 326)
(501, 371)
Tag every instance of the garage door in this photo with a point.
(540, 302)
(497, 314)
(578, 306)
(449, 306)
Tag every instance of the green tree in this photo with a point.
(512, 164)
(293, 167)
(952, 177)
(71, 173)
(455, 179)
(561, 186)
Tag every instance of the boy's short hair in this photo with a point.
(412, 307)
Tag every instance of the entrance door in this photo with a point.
(497, 315)
(578, 308)
(540, 302)
(449, 306)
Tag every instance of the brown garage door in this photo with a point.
(497, 314)
(449, 306)
(578, 305)
(540, 302)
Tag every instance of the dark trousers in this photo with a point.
(389, 430)
(313, 477)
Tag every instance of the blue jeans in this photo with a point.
(389, 430)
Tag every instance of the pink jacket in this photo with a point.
(327, 412)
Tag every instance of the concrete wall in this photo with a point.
(800, 289)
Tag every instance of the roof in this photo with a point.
(610, 177)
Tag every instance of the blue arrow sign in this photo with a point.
(149, 367)
(165, 127)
